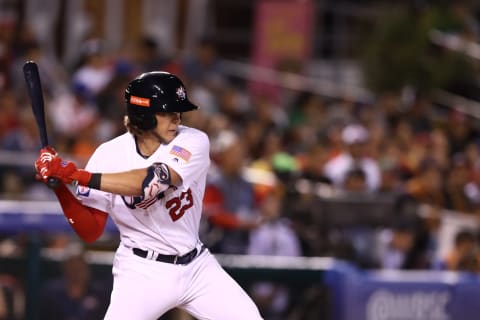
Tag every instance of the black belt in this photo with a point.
(174, 259)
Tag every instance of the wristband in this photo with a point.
(95, 180)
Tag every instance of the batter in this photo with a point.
(150, 181)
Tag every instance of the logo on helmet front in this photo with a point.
(181, 93)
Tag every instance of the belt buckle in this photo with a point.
(175, 260)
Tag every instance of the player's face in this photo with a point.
(167, 125)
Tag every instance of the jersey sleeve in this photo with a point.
(189, 156)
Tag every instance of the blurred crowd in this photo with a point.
(275, 160)
(272, 156)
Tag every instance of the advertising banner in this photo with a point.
(428, 295)
(283, 35)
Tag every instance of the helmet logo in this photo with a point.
(181, 93)
(143, 102)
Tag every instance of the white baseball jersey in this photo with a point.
(168, 225)
(144, 288)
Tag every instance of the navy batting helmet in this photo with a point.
(154, 92)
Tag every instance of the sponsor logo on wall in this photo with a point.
(416, 305)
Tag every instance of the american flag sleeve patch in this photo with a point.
(181, 153)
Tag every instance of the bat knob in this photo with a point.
(53, 183)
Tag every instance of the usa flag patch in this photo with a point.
(181, 153)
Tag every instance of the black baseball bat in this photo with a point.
(34, 88)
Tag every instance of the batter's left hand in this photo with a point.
(49, 166)
(46, 155)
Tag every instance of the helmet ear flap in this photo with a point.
(149, 123)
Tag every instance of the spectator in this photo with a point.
(460, 131)
(419, 114)
(301, 189)
(10, 119)
(266, 111)
(74, 111)
(355, 181)
(204, 66)
(52, 72)
(94, 71)
(390, 162)
(313, 163)
(75, 295)
(233, 105)
(427, 185)
(394, 245)
(22, 139)
(229, 202)
(457, 180)
(275, 237)
(463, 248)
(150, 57)
(270, 163)
(355, 138)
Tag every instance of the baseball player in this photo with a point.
(150, 181)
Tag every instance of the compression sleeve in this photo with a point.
(87, 222)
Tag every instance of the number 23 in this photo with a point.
(178, 205)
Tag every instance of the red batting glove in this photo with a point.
(67, 172)
(46, 155)
(49, 164)
(49, 149)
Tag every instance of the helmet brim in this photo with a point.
(184, 106)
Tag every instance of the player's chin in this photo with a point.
(170, 134)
